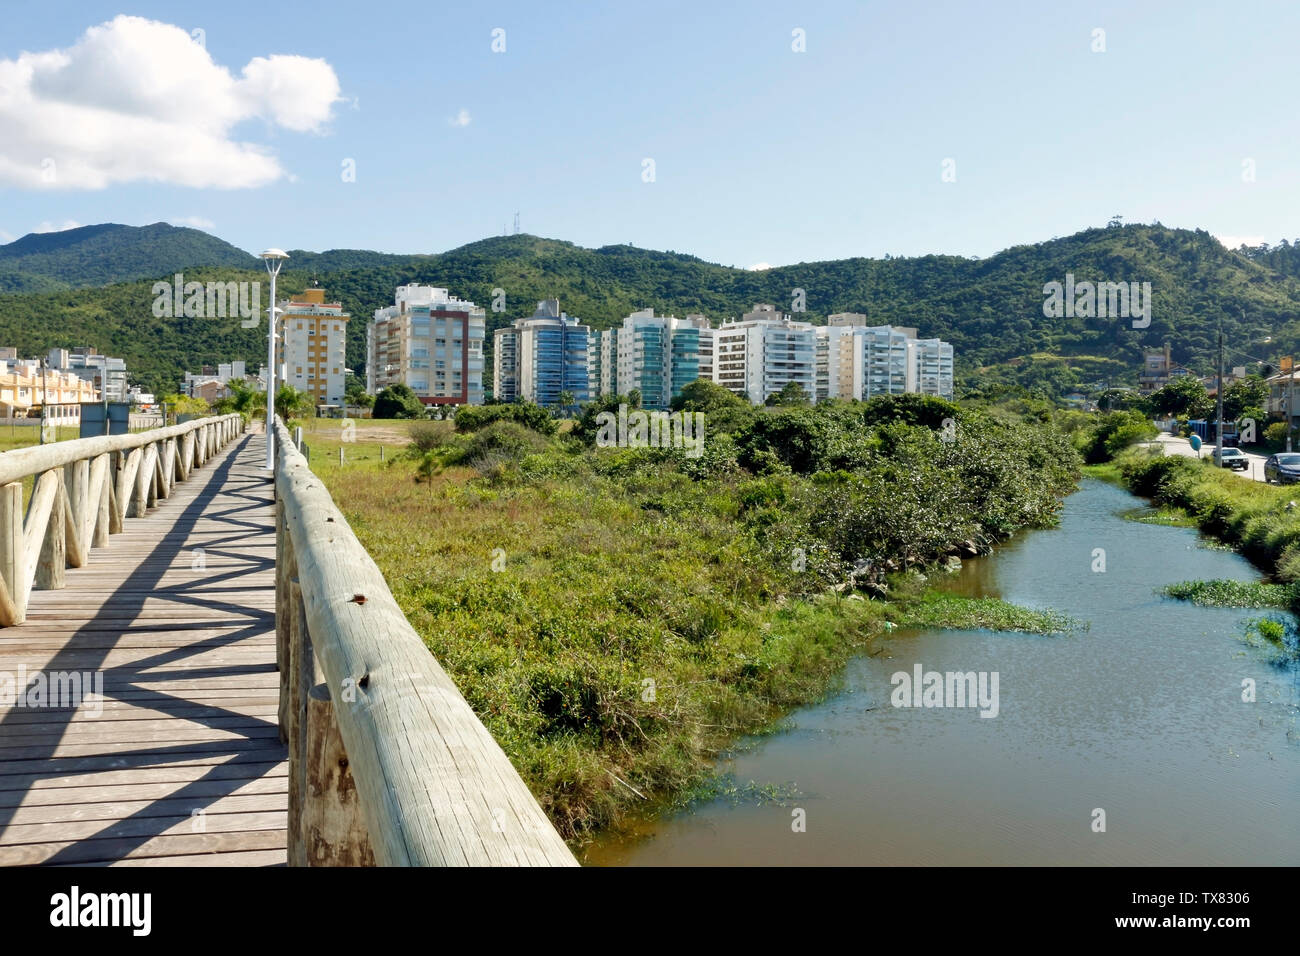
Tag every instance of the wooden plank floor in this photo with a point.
(184, 766)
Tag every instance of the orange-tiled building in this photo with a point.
(314, 346)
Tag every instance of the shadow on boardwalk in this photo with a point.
(185, 764)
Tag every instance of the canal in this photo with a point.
(1140, 716)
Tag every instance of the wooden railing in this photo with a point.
(82, 492)
(388, 764)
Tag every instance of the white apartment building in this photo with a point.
(659, 355)
(762, 352)
(431, 341)
(930, 361)
(602, 362)
(858, 361)
(105, 373)
(314, 346)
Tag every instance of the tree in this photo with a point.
(354, 393)
(398, 401)
(1117, 400)
(703, 395)
(1184, 395)
(1249, 393)
(185, 405)
(791, 393)
(291, 403)
(243, 398)
(566, 401)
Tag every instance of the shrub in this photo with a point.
(428, 436)
(502, 442)
(472, 418)
(398, 401)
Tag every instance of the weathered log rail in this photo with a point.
(82, 492)
(388, 764)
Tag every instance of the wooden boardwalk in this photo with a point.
(184, 765)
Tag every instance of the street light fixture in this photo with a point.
(274, 259)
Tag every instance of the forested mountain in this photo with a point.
(107, 253)
(991, 309)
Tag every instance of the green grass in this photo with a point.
(1165, 515)
(619, 618)
(1227, 593)
(1261, 521)
(1107, 471)
(954, 612)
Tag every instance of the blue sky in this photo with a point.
(762, 154)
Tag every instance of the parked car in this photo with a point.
(1284, 468)
(1233, 458)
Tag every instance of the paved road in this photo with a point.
(1181, 446)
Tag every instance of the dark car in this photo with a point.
(1233, 458)
(1284, 468)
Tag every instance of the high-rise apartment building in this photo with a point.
(855, 360)
(105, 373)
(540, 357)
(602, 362)
(762, 352)
(430, 341)
(313, 355)
(659, 355)
(930, 361)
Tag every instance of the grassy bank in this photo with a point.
(1259, 520)
(619, 616)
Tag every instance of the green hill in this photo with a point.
(107, 253)
(991, 309)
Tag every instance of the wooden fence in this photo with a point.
(388, 764)
(82, 491)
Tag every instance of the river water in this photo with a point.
(1140, 716)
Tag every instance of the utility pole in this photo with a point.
(1218, 444)
(1290, 400)
(45, 402)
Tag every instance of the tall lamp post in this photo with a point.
(274, 259)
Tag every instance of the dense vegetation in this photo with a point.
(619, 615)
(1259, 520)
(108, 253)
(990, 309)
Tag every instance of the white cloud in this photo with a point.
(759, 266)
(64, 226)
(460, 119)
(194, 222)
(1236, 242)
(138, 100)
(5, 237)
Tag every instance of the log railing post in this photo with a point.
(12, 608)
(284, 617)
(333, 831)
(51, 566)
(76, 478)
(104, 502)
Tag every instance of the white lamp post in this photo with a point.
(274, 259)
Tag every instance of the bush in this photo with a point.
(428, 436)
(501, 443)
(1112, 434)
(472, 418)
(1276, 433)
(398, 401)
